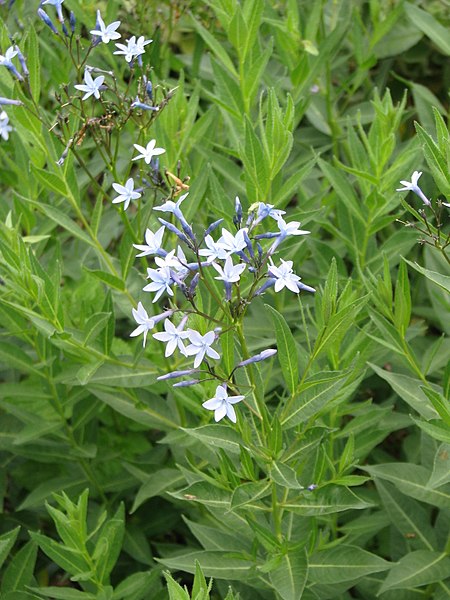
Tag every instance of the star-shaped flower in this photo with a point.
(126, 193)
(172, 207)
(8, 56)
(5, 128)
(267, 210)
(411, 186)
(200, 346)
(132, 48)
(291, 228)
(90, 86)
(106, 32)
(232, 243)
(222, 404)
(153, 242)
(229, 273)
(213, 251)
(284, 275)
(145, 323)
(161, 282)
(148, 152)
(173, 336)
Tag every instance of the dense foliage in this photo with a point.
(327, 473)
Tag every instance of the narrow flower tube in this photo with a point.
(44, 17)
(186, 383)
(176, 374)
(257, 358)
(176, 231)
(10, 101)
(212, 227)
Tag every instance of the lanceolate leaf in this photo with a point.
(287, 352)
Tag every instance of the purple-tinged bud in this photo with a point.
(194, 284)
(248, 242)
(212, 227)
(139, 61)
(260, 250)
(186, 383)
(44, 17)
(268, 284)
(72, 21)
(149, 90)
(250, 218)
(227, 290)
(267, 236)
(176, 231)
(176, 374)
(185, 225)
(257, 358)
(22, 61)
(238, 212)
(13, 70)
(10, 101)
(138, 104)
(301, 286)
(179, 282)
(244, 257)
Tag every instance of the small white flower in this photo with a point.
(140, 45)
(213, 251)
(128, 50)
(90, 86)
(5, 128)
(200, 346)
(161, 281)
(229, 273)
(173, 336)
(285, 277)
(106, 32)
(126, 193)
(232, 243)
(268, 210)
(132, 48)
(222, 404)
(148, 152)
(170, 206)
(411, 186)
(145, 323)
(153, 242)
(291, 228)
(8, 56)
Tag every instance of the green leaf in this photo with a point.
(343, 563)
(218, 436)
(157, 484)
(408, 516)
(7, 542)
(312, 396)
(64, 593)
(326, 501)
(33, 62)
(436, 161)
(204, 493)
(200, 588)
(417, 568)
(409, 389)
(441, 467)
(20, 570)
(443, 281)
(51, 181)
(140, 583)
(214, 45)
(284, 476)
(63, 557)
(402, 302)
(110, 280)
(411, 480)
(425, 21)
(109, 544)
(214, 564)
(287, 351)
(289, 577)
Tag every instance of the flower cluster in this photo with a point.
(238, 260)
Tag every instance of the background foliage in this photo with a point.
(109, 477)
